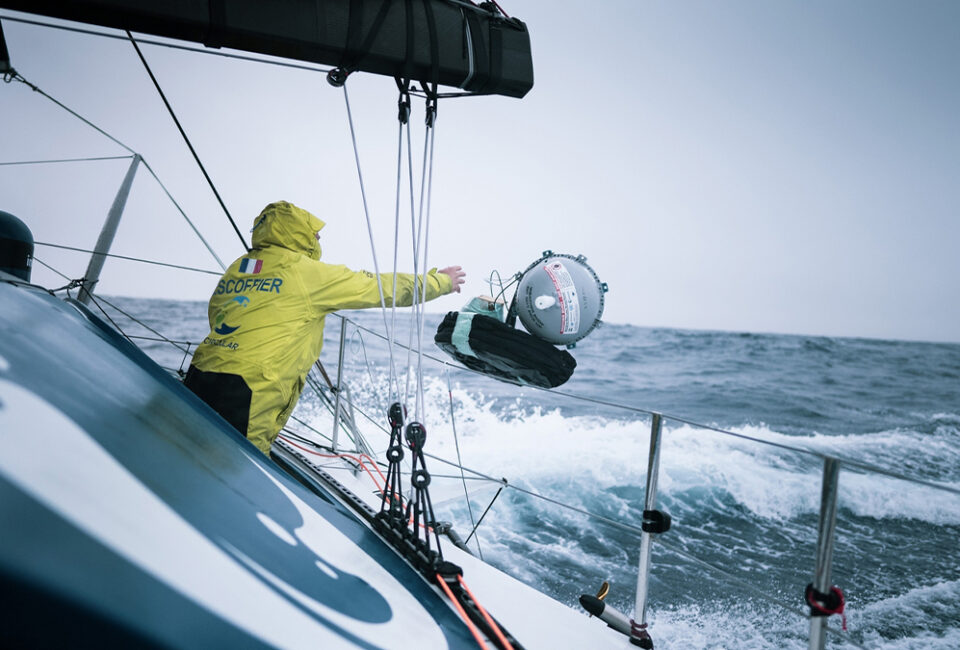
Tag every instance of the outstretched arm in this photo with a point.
(338, 287)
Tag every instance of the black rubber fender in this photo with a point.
(503, 352)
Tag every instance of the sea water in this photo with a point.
(731, 571)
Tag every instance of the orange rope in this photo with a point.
(492, 623)
(376, 467)
(473, 628)
(358, 461)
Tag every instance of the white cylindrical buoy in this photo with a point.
(560, 298)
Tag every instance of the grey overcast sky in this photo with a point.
(756, 166)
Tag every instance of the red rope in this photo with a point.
(841, 605)
(355, 459)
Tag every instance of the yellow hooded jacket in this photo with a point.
(268, 311)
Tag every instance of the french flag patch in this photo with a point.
(250, 265)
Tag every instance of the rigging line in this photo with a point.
(426, 245)
(366, 212)
(185, 48)
(311, 428)
(131, 259)
(477, 525)
(37, 259)
(112, 322)
(186, 139)
(138, 322)
(63, 160)
(21, 79)
(358, 335)
(206, 244)
(394, 382)
(415, 235)
(420, 299)
(158, 340)
(456, 442)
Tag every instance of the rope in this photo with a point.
(355, 459)
(456, 443)
(393, 381)
(174, 46)
(358, 336)
(416, 261)
(132, 259)
(426, 245)
(183, 133)
(489, 619)
(827, 604)
(366, 212)
(138, 322)
(466, 619)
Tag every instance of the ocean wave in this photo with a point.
(928, 613)
(581, 458)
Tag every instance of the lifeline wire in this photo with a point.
(867, 467)
(132, 259)
(138, 322)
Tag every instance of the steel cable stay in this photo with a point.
(143, 160)
(183, 133)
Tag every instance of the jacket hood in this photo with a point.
(284, 224)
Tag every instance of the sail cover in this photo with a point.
(450, 42)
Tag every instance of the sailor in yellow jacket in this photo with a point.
(267, 316)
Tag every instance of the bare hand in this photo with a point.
(456, 275)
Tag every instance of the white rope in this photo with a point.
(394, 381)
(366, 212)
(431, 131)
(413, 234)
